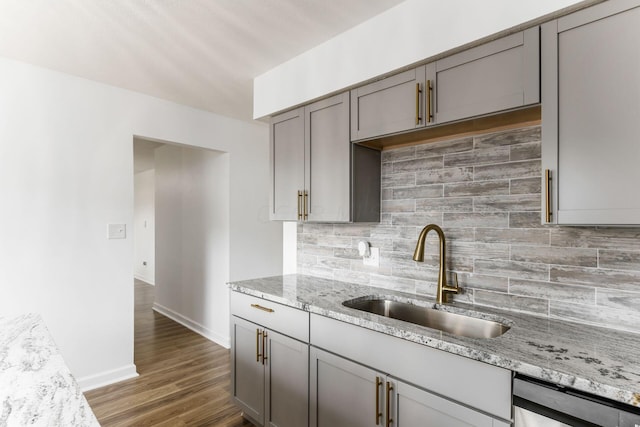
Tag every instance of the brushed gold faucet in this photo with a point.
(418, 255)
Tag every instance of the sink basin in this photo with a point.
(453, 323)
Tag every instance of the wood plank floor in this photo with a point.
(184, 378)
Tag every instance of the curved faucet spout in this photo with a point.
(418, 255)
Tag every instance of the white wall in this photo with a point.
(144, 248)
(289, 247)
(405, 34)
(66, 171)
(192, 239)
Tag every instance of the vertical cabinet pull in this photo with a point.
(299, 205)
(378, 413)
(547, 179)
(389, 390)
(306, 205)
(258, 335)
(264, 346)
(418, 92)
(429, 115)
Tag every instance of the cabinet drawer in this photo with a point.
(277, 317)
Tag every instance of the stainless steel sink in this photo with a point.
(453, 323)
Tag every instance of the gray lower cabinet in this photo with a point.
(360, 377)
(269, 362)
(500, 75)
(347, 394)
(391, 105)
(316, 173)
(590, 116)
(343, 393)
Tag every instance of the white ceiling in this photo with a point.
(201, 53)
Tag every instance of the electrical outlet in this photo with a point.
(372, 260)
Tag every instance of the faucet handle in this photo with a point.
(453, 289)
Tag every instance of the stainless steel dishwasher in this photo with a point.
(540, 404)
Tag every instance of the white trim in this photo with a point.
(144, 279)
(193, 325)
(107, 377)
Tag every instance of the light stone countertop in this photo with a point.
(36, 386)
(592, 359)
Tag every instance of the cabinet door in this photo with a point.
(287, 379)
(328, 159)
(247, 371)
(391, 105)
(287, 164)
(495, 76)
(416, 407)
(343, 393)
(590, 115)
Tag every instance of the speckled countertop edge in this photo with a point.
(36, 386)
(592, 359)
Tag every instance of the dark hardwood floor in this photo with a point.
(184, 378)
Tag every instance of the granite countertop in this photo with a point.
(592, 359)
(36, 387)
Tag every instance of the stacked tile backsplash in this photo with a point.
(484, 191)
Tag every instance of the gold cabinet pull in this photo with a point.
(259, 307)
(429, 115)
(258, 335)
(299, 205)
(264, 347)
(418, 92)
(378, 413)
(547, 178)
(389, 390)
(306, 205)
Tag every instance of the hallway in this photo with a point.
(184, 378)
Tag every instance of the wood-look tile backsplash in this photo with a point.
(484, 191)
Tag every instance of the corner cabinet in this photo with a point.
(316, 173)
(591, 116)
(269, 369)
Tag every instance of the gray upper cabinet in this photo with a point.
(496, 76)
(591, 116)
(327, 167)
(287, 164)
(391, 105)
(317, 174)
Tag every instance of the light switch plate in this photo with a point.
(117, 231)
(373, 259)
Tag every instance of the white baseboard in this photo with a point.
(194, 326)
(144, 279)
(106, 378)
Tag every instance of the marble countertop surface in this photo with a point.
(36, 387)
(592, 359)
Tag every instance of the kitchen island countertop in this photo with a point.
(596, 360)
(36, 387)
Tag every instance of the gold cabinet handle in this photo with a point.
(299, 205)
(547, 178)
(259, 307)
(429, 115)
(264, 346)
(258, 335)
(378, 413)
(306, 205)
(418, 92)
(389, 390)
